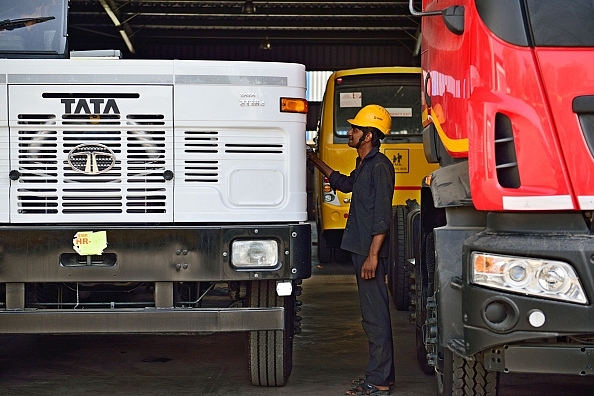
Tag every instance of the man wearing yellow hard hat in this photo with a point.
(366, 237)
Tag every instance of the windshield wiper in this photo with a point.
(10, 24)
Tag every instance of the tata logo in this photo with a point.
(91, 159)
(90, 106)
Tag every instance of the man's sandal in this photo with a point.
(367, 389)
(359, 381)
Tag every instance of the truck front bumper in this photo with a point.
(542, 359)
(561, 342)
(141, 321)
(162, 259)
(150, 253)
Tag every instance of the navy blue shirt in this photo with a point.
(370, 213)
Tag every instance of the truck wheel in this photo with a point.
(423, 287)
(463, 377)
(420, 316)
(271, 351)
(400, 271)
(324, 249)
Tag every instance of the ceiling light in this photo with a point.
(127, 41)
(107, 6)
(110, 12)
(248, 7)
(265, 44)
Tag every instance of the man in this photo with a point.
(366, 237)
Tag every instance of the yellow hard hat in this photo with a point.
(373, 116)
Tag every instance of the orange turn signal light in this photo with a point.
(293, 105)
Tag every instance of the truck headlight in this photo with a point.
(530, 276)
(254, 253)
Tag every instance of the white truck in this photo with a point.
(150, 196)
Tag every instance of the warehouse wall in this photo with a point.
(314, 57)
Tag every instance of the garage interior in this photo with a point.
(322, 35)
(331, 350)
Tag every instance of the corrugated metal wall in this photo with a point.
(314, 57)
(316, 85)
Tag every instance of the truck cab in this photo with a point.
(503, 272)
(149, 196)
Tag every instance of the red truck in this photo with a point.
(503, 244)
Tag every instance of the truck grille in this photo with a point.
(90, 165)
(205, 152)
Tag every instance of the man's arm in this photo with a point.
(338, 181)
(370, 264)
(319, 164)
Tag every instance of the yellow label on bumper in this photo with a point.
(88, 243)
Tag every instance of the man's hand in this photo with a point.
(309, 152)
(369, 267)
(370, 264)
(313, 158)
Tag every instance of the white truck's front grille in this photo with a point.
(167, 145)
(90, 156)
(53, 183)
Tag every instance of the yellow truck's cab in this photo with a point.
(347, 91)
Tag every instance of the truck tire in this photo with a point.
(271, 351)
(423, 289)
(420, 303)
(399, 283)
(462, 377)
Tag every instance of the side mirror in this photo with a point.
(454, 19)
(453, 16)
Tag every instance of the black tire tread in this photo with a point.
(271, 351)
(400, 283)
(470, 378)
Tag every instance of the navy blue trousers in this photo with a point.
(375, 310)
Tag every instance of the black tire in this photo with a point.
(324, 249)
(271, 351)
(399, 269)
(462, 377)
(420, 317)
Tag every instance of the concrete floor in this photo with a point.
(329, 353)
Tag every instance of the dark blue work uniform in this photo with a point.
(372, 185)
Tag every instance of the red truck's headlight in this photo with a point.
(529, 276)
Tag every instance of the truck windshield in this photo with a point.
(29, 27)
(562, 23)
(399, 94)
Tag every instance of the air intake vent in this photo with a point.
(254, 148)
(201, 149)
(36, 119)
(201, 171)
(506, 162)
(201, 142)
(93, 171)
